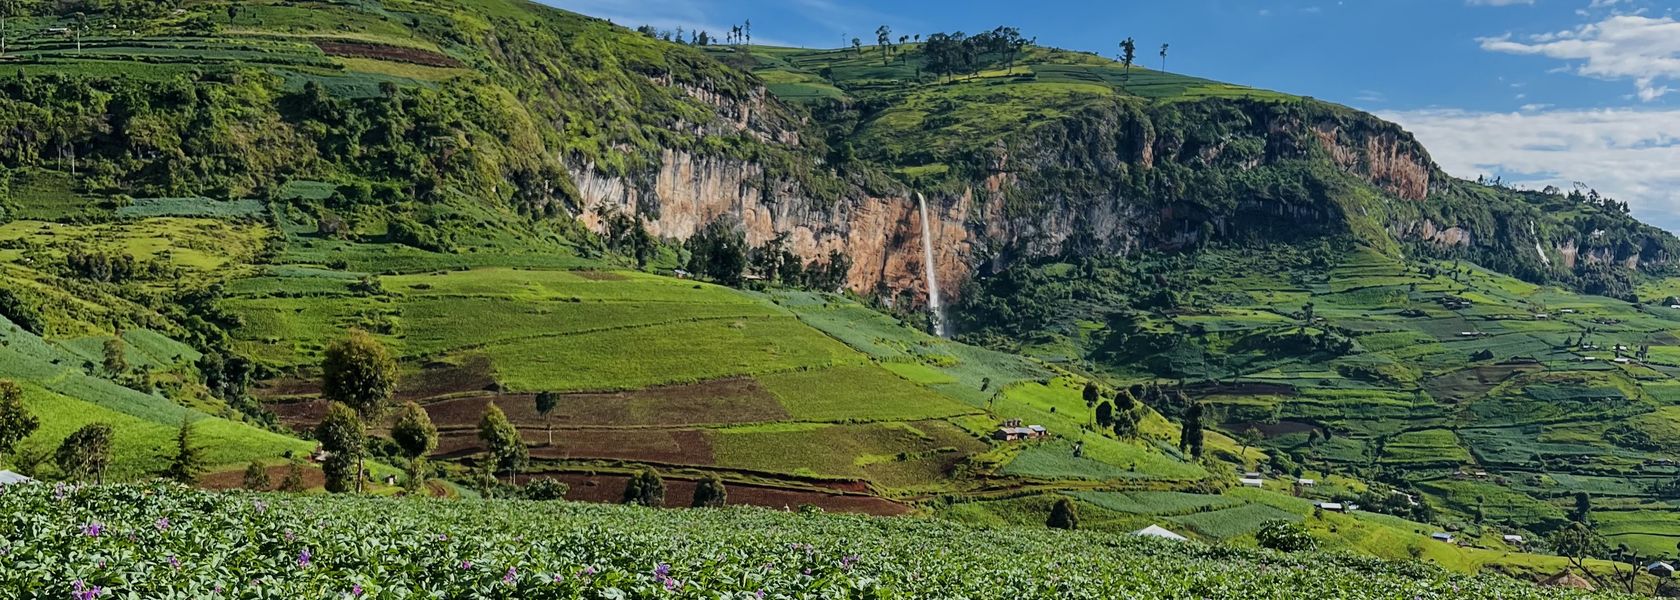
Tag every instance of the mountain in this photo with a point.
(710, 260)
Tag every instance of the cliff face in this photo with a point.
(882, 235)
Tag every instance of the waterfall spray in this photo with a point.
(935, 309)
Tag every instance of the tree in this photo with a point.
(883, 38)
(1126, 423)
(293, 482)
(16, 423)
(546, 401)
(359, 373)
(507, 450)
(1163, 58)
(1285, 536)
(1091, 393)
(86, 453)
(645, 489)
(746, 30)
(1190, 432)
(545, 489)
(341, 436)
(189, 459)
(1105, 415)
(415, 434)
(1250, 437)
(1307, 313)
(256, 477)
(1063, 515)
(1128, 54)
(1579, 543)
(857, 46)
(719, 251)
(710, 493)
(116, 364)
(1583, 508)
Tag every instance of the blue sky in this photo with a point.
(1537, 91)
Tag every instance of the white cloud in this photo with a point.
(1644, 49)
(1631, 155)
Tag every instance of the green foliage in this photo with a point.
(21, 313)
(256, 477)
(472, 546)
(544, 489)
(342, 438)
(645, 489)
(710, 493)
(86, 453)
(1063, 515)
(16, 423)
(359, 372)
(188, 462)
(1285, 536)
(414, 431)
(507, 450)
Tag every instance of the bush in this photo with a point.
(1284, 536)
(546, 488)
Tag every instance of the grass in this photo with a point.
(643, 356)
(858, 393)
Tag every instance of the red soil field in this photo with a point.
(384, 52)
(680, 493)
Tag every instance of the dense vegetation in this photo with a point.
(164, 541)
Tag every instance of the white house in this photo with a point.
(1660, 569)
(1304, 482)
(1441, 537)
(1156, 531)
(1252, 482)
(1332, 506)
(1514, 539)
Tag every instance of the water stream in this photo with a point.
(935, 309)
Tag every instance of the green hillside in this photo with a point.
(221, 190)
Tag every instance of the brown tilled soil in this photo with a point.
(286, 387)
(384, 52)
(474, 374)
(228, 480)
(664, 446)
(600, 275)
(680, 492)
(301, 415)
(728, 401)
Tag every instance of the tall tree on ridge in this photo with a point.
(883, 38)
(1128, 54)
(1163, 58)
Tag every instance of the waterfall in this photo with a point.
(935, 309)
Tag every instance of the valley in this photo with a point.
(1227, 311)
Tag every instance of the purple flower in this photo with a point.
(290, 536)
(261, 506)
(82, 591)
(303, 558)
(175, 562)
(356, 591)
(662, 571)
(163, 524)
(512, 574)
(466, 565)
(846, 563)
(93, 530)
(672, 584)
(759, 595)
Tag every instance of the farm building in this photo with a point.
(1252, 482)
(10, 478)
(1304, 482)
(1156, 531)
(1514, 539)
(1660, 569)
(1441, 537)
(1012, 430)
(1332, 506)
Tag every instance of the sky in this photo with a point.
(1538, 92)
